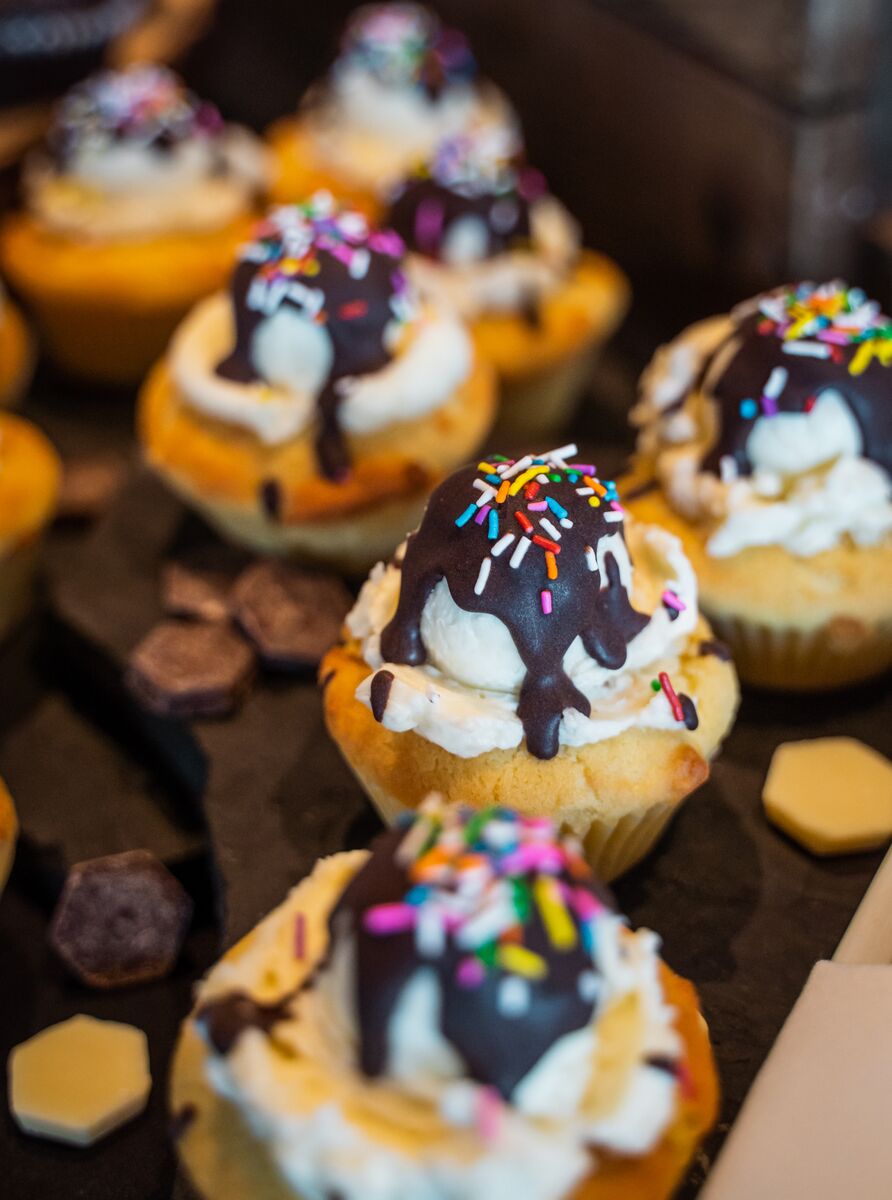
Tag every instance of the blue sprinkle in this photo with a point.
(466, 515)
(557, 509)
(493, 529)
(572, 476)
(493, 478)
(418, 894)
(748, 409)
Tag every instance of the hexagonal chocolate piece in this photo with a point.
(184, 669)
(292, 617)
(120, 920)
(194, 591)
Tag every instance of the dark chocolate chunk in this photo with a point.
(691, 719)
(271, 499)
(120, 920)
(192, 591)
(382, 682)
(716, 648)
(292, 617)
(190, 670)
(227, 1018)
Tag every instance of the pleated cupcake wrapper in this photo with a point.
(533, 406)
(611, 847)
(802, 660)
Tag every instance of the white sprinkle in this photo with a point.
(585, 491)
(727, 468)
(520, 550)
(589, 987)
(485, 568)
(485, 497)
(591, 559)
(611, 515)
(566, 523)
(430, 933)
(481, 485)
(558, 456)
(542, 479)
(550, 529)
(410, 847)
(807, 349)
(520, 465)
(514, 996)
(358, 266)
(777, 381)
(502, 544)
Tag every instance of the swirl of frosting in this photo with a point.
(319, 298)
(514, 611)
(774, 424)
(486, 232)
(406, 46)
(462, 983)
(120, 137)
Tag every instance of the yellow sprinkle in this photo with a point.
(487, 467)
(551, 564)
(502, 493)
(522, 478)
(594, 501)
(522, 961)
(880, 348)
(558, 925)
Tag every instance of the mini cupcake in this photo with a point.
(767, 436)
(29, 484)
(16, 353)
(312, 409)
(401, 83)
(528, 646)
(458, 1012)
(487, 237)
(133, 210)
(8, 834)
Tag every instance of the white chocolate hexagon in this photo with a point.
(77, 1081)
(833, 795)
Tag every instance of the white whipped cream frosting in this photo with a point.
(465, 696)
(293, 355)
(474, 285)
(126, 190)
(329, 1129)
(811, 487)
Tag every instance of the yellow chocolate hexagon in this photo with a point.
(77, 1081)
(834, 795)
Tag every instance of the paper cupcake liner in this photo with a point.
(837, 654)
(534, 406)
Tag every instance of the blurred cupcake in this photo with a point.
(401, 83)
(458, 1012)
(528, 646)
(489, 239)
(312, 409)
(133, 210)
(768, 437)
(16, 353)
(29, 484)
(8, 833)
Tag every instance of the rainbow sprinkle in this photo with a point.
(818, 319)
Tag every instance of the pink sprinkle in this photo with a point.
(488, 1114)
(587, 907)
(532, 856)
(583, 468)
(539, 506)
(471, 973)
(428, 224)
(545, 597)
(386, 241)
(769, 406)
(616, 506)
(390, 918)
(482, 514)
(300, 937)
(672, 601)
(834, 335)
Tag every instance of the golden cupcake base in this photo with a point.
(791, 623)
(617, 796)
(226, 1161)
(221, 470)
(8, 834)
(299, 171)
(106, 310)
(17, 355)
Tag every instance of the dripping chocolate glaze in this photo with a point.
(868, 395)
(425, 211)
(358, 312)
(497, 1050)
(602, 616)
(227, 1018)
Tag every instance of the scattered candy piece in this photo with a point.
(833, 795)
(8, 832)
(120, 920)
(89, 485)
(77, 1081)
(292, 617)
(190, 670)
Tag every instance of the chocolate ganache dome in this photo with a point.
(494, 907)
(472, 200)
(539, 544)
(405, 45)
(341, 282)
(785, 350)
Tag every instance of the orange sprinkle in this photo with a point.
(502, 493)
(551, 564)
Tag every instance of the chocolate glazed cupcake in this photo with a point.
(311, 409)
(528, 645)
(458, 1013)
(768, 438)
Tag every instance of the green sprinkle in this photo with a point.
(487, 953)
(522, 901)
(655, 685)
(554, 477)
